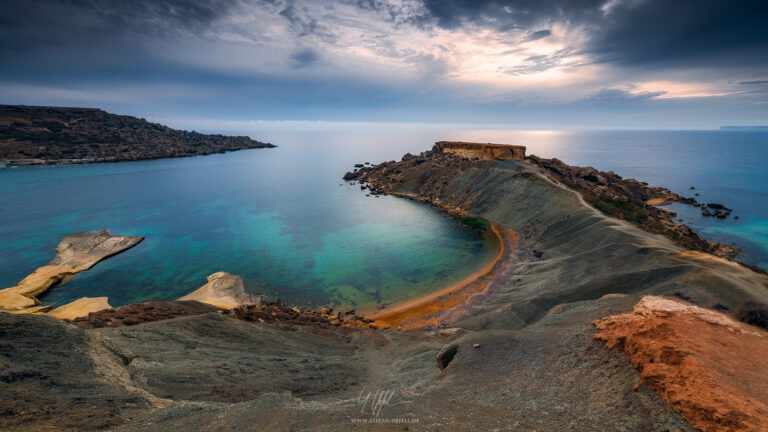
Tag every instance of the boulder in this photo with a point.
(446, 355)
(80, 308)
(222, 290)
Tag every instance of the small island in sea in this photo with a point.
(40, 135)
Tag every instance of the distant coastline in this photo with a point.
(745, 128)
(38, 135)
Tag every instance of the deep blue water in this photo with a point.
(280, 218)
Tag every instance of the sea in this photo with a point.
(284, 220)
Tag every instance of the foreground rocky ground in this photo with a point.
(521, 356)
(40, 135)
(710, 367)
(213, 372)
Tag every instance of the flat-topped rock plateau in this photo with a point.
(511, 349)
(75, 253)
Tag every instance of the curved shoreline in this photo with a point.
(423, 306)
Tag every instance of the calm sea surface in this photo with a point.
(284, 220)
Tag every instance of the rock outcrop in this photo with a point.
(708, 366)
(43, 135)
(223, 290)
(633, 201)
(446, 355)
(75, 253)
(262, 312)
(80, 308)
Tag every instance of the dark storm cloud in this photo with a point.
(508, 14)
(702, 33)
(638, 33)
(57, 18)
(156, 15)
(297, 58)
(305, 25)
(72, 35)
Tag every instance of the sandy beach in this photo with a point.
(422, 310)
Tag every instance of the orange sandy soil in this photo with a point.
(709, 367)
(434, 308)
(657, 201)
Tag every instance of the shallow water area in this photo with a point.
(281, 218)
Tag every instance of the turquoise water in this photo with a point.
(280, 218)
(277, 217)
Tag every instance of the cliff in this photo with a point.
(40, 135)
(480, 150)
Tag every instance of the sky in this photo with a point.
(522, 64)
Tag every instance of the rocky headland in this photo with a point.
(513, 348)
(36, 135)
(626, 199)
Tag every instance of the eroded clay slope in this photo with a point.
(708, 366)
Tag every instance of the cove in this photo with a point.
(281, 218)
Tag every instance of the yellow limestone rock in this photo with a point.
(222, 290)
(80, 308)
(75, 253)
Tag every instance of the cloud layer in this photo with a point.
(485, 61)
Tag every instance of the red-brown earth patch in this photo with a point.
(709, 367)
